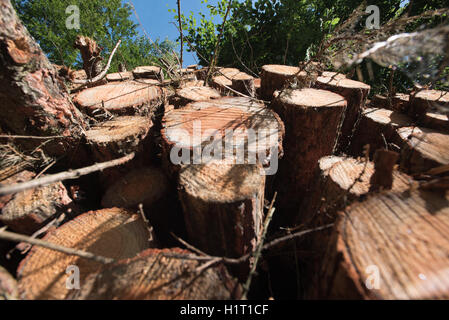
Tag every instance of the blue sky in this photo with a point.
(157, 20)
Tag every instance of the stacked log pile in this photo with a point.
(196, 161)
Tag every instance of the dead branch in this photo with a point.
(103, 73)
(6, 235)
(258, 250)
(67, 175)
(180, 27)
(217, 46)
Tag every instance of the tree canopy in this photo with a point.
(289, 31)
(106, 21)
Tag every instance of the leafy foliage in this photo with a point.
(106, 21)
(289, 31)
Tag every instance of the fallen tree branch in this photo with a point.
(258, 251)
(82, 254)
(103, 73)
(67, 175)
(242, 259)
(5, 136)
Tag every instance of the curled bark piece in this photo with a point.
(153, 276)
(113, 233)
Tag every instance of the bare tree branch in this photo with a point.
(103, 73)
(67, 175)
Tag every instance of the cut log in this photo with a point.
(257, 84)
(244, 83)
(193, 83)
(223, 206)
(399, 102)
(276, 77)
(391, 246)
(333, 75)
(29, 210)
(192, 94)
(435, 121)
(423, 149)
(114, 138)
(113, 233)
(428, 101)
(157, 275)
(355, 93)
(311, 118)
(33, 100)
(149, 72)
(8, 286)
(339, 181)
(144, 185)
(119, 76)
(237, 128)
(378, 129)
(222, 79)
(22, 176)
(124, 98)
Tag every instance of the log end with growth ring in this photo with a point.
(120, 98)
(113, 233)
(390, 246)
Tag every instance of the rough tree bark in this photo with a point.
(311, 118)
(33, 100)
(355, 93)
(223, 207)
(377, 127)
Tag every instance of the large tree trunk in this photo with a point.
(33, 99)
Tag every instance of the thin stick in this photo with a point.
(189, 246)
(6, 235)
(180, 33)
(236, 261)
(103, 73)
(5, 136)
(258, 252)
(217, 46)
(67, 175)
